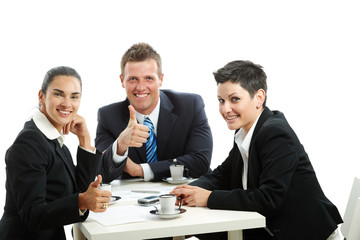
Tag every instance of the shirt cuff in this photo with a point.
(118, 158)
(148, 173)
(82, 213)
(88, 150)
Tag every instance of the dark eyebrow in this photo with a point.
(130, 77)
(58, 90)
(234, 93)
(61, 91)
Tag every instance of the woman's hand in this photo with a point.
(192, 195)
(78, 127)
(94, 199)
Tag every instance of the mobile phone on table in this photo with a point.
(150, 200)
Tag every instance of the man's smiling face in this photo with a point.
(142, 83)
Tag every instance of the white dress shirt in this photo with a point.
(243, 142)
(154, 117)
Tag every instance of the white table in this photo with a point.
(196, 220)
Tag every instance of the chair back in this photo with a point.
(351, 226)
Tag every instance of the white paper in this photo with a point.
(121, 215)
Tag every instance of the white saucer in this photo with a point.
(179, 181)
(114, 198)
(168, 216)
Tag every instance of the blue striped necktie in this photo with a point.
(150, 144)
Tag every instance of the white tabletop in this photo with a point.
(195, 220)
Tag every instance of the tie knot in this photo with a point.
(149, 124)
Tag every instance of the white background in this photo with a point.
(309, 50)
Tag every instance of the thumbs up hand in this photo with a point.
(132, 119)
(134, 135)
(94, 199)
(96, 183)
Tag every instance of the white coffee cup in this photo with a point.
(104, 186)
(167, 203)
(177, 171)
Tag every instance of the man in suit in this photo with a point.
(267, 170)
(178, 127)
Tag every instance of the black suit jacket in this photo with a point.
(282, 184)
(183, 133)
(43, 185)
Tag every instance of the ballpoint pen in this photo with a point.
(145, 191)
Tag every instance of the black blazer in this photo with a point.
(282, 184)
(43, 185)
(183, 132)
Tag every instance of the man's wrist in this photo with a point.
(118, 158)
(121, 148)
(140, 171)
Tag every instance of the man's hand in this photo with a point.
(134, 135)
(192, 195)
(135, 170)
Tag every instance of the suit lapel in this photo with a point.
(265, 115)
(237, 168)
(63, 153)
(166, 123)
(67, 160)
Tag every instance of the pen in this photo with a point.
(145, 191)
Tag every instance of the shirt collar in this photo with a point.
(242, 140)
(154, 116)
(45, 126)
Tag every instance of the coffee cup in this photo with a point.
(105, 186)
(177, 171)
(167, 203)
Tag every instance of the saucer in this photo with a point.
(179, 181)
(168, 216)
(114, 198)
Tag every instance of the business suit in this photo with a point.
(183, 133)
(282, 184)
(43, 185)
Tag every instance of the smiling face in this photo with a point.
(142, 83)
(237, 107)
(61, 101)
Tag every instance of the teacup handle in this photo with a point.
(180, 201)
(186, 173)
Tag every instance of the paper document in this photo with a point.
(118, 214)
(121, 215)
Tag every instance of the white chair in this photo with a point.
(350, 229)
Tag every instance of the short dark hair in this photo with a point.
(250, 76)
(140, 52)
(58, 71)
